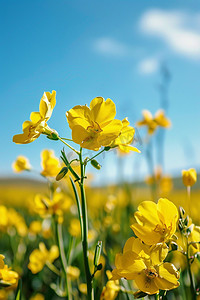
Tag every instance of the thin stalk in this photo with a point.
(96, 155)
(59, 238)
(192, 287)
(85, 231)
(157, 297)
(70, 140)
(52, 268)
(78, 206)
(68, 145)
(188, 199)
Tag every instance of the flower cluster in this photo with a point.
(40, 257)
(38, 121)
(143, 257)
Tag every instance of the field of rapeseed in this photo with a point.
(66, 239)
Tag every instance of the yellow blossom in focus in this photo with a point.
(37, 297)
(21, 164)
(144, 264)
(124, 140)
(50, 163)
(40, 257)
(155, 223)
(111, 290)
(73, 272)
(189, 177)
(94, 126)
(38, 121)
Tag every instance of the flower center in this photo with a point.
(151, 273)
(94, 128)
(163, 230)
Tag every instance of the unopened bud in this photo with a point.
(97, 254)
(53, 135)
(62, 173)
(181, 212)
(95, 164)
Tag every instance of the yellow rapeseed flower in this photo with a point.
(73, 272)
(7, 276)
(147, 121)
(124, 140)
(38, 121)
(112, 288)
(40, 257)
(153, 122)
(46, 207)
(94, 126)
(21, 164)
(35, 227)
(155, 222)
(75, 227)
(161, 119)
(50, 163)
(189, 177)
(145, 265)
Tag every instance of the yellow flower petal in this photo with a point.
(102, 111)
(110, 132)
(167, 213)
(146, 284)
(79, 115)
(47, 103)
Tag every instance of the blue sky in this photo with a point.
(83, 49)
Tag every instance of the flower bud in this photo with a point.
(189, 177)
(97, 254)
(62, 173)
(95, 164)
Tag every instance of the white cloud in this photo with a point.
(179, 30)
(148, 66)
(109, 46)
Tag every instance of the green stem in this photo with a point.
(96, 155)
(68, 145)
(85, 231)
(192, 287)
(66, 139)
(157, 296)
(52, 268)
(59, 238)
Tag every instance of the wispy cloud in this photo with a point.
(111, 47)
(148, 66)
(180, 31)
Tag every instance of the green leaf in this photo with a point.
(18, 295)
